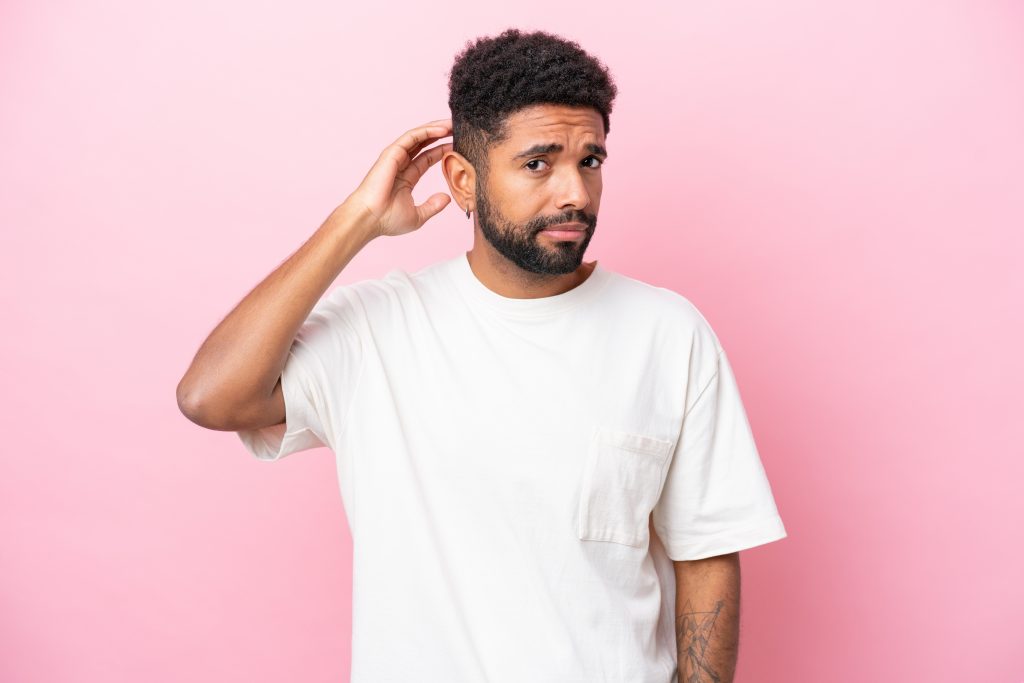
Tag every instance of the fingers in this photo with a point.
(432, 207)
(395, 158)
(420, 164)
(412, 141)
(420, 145)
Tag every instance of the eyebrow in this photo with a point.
(555, 147)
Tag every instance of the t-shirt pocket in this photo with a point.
(622, 479)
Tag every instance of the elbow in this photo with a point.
(188, 404)
(193, 406)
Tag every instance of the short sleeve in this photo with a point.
(716, 498)
(318, 380)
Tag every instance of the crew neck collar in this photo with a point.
(526, 308)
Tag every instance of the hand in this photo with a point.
(386, 191)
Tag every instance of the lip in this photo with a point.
(565, 234)
(566, 231)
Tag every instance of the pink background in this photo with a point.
(837, 186)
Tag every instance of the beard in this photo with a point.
(522, 244)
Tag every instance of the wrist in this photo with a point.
(354, 219)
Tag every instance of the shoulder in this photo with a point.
(670, 311)
(395, 290)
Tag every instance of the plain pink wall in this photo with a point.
(838, 186)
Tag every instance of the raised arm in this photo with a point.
(234, 380)
(708, 618)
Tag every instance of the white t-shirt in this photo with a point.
(501, 461)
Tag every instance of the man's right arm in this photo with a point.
(234, 381)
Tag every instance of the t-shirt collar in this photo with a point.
(468, 282)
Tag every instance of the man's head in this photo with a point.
(530, 113)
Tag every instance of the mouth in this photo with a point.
(566, 231)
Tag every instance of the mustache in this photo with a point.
(542, 223)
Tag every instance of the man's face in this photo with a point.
(547, 171)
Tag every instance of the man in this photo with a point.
(546, 466)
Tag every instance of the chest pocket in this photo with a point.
(622, 480)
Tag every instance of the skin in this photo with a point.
(708, 618)
(521, 196)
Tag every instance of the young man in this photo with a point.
(546, 466)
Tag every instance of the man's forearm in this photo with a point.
(708, 618)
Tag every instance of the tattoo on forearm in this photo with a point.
(693, 636)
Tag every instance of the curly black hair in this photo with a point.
(493, 77)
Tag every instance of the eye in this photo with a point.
(600, 163)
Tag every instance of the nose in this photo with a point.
(572, 191)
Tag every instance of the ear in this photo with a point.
(461, 177)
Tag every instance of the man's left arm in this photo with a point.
(708, 617)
